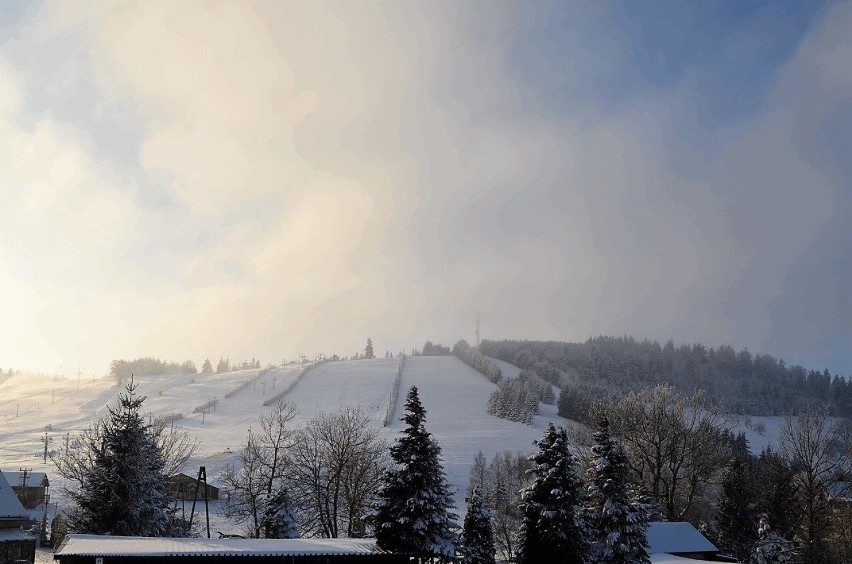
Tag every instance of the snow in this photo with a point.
(95, 545)
(454, 395)
(9, 504)
(676, 537)
(663, 558)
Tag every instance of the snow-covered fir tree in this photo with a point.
(617, 525)
(279, 519)
(413, 514)
(123, 490)
(552, 529)
(770, 548)
(477, 536)
(368, 350)
(738, 516)
(207, 367)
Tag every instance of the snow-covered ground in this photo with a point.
(454, 395)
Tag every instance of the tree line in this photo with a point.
(744, 383)
(121, 369)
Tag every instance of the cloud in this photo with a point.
(264, 179)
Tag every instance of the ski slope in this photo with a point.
(454, 395)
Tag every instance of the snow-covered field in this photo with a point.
(454, 395)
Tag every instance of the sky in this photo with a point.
(266, 179)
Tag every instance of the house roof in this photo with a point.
(11, 535)
(34, 479)
(97, 545)
(9, 504)
(663, 558)
(676, 538)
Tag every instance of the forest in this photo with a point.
(741, 382)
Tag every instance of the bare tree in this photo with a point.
(675, 445)
(75, 459)
(258, 472)
(818, 450)
(337, 465)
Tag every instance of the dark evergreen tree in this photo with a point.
(552, 529)
(770, 547)
(123, 491)
(780, 495)
(368, 350)
(207, 368)
(477, 536)
(738, 510)
(279, 519)
(413, 514)
(58, 530)
(616, 522)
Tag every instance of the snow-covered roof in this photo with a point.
(676, 538)
(17, 478)
(662, 558)
(10, 506)
(97, 545)
(7, 535)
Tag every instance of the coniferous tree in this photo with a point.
(552, 529)
(617, 524)
(770, 548)
(58, 530)
(123, 491)
(279, 519)
(477, 535)
(413, 514)
(738, 510)
(207, 367)
(779, 492)
(368, 350)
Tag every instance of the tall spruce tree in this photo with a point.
(413, 514)
(552, 529)
(368, 350)
(618, 525)
(477, 535)
(738, 510)
(123, 491)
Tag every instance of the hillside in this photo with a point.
(454, 395)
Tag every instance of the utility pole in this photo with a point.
(46, 440)
(478, 319)
(202, 476)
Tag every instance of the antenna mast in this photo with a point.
(477, 328)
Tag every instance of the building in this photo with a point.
(182, 486)
(97, 549)
(32, 488)
(671, 543)
(15, 545)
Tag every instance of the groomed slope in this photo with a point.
(335, 384)
(455, 397)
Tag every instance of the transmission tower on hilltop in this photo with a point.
(478, 320)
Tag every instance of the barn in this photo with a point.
(97, 549)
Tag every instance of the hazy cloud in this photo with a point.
(272, 178)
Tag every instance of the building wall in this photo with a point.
(17, 550)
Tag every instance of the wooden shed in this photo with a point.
(182, 487)
(97, 549)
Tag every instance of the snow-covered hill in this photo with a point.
(454, 395)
